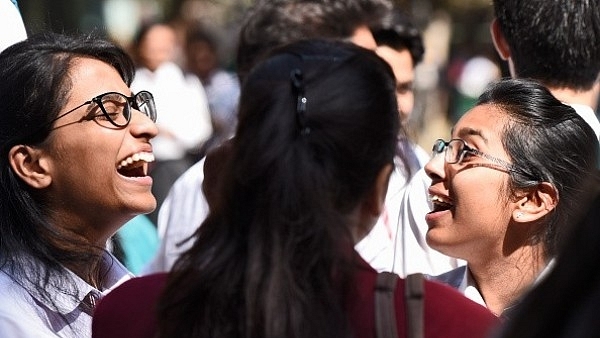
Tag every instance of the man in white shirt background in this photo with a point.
(11, 24)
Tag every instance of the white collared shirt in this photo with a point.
(587, 113)
(468, 288)
(57, 312)
(11, 25)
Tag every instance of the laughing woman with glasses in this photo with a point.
(505, 189)
(74, 168)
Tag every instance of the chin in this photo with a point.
(433, 240)
(145, 206)
(442, 246)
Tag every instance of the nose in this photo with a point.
(435, 168)
(142, 126)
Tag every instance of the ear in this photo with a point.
(536, 203)
(376, 198)
(499, 40)
(30, 165)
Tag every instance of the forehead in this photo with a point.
(391, 55)
(363, 37)
(400, 61)
(486, 120)
(91, 77)
(159, 35)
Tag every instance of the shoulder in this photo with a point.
(20, 315)
(130, 309)
(450, 314)
(192, 178)
(452, 278)
(588, 114)
(224, 76)
(447, 313)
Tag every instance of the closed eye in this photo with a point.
(92, 113)
(468, 153)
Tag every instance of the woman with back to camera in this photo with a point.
(505, 188)
(304, 179)
(74, 156)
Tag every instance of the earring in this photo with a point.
(519, 214)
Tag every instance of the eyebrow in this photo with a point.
(467, 131)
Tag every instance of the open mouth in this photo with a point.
(135, 165)
(440, 203)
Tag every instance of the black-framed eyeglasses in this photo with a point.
(115, 108)
(456, 149)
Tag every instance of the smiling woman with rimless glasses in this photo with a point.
(75, 148)
(505, 188)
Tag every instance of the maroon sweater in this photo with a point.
(129, 311)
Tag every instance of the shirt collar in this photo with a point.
(469, 289)
(81, 293)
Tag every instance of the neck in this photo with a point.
(585, 97)
(89, 271)
(503, 280)
(80, 249)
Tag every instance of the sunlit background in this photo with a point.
(455, 32)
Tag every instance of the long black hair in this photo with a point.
(35, 86)
(318, 122)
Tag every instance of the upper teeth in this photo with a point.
(439, 199)
(142, 156)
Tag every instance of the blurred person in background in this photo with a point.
(136, 243)
(400, 44)
(267, 25)
(222, 87)
(185, 122)
(556, 43)
(475, 75)
(11, 24)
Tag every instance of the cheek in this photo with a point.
(477, 194)
(480, 206)
(94, 154)
(475, 223)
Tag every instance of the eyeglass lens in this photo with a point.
(144, 102)
(452, 150)
(118, 107)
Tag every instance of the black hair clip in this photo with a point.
(298, 86)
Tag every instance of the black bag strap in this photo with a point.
(385, 309)
(414, 298)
